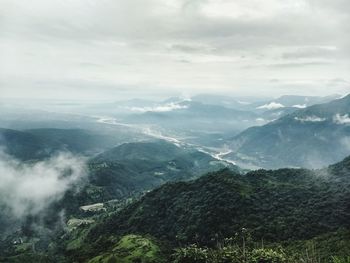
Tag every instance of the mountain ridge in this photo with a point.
(310, 138)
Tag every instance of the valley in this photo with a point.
(174, 131)
(172, 188)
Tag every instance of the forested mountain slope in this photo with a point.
(280, 205)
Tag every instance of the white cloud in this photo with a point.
(310, 119)
(341, 119)
(271, 106)
(299, 106)
(28, 189)
(160, 108)
(62, 49)
(251, 9)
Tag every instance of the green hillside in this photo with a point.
(272, 216)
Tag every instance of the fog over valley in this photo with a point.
(181, 131)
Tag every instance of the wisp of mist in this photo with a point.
(29, 188)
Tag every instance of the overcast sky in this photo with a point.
(112, 49)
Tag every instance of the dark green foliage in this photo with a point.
(262, 255)
(128, 170)
(130, 249)
(296, 208)
(141, 166)
(132, 168)
(191, 254)
(125, 171)
(232, 250)
(336, 243)
(28, 258)
(281, 205)
(341, 259)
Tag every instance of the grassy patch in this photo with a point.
(132, 248)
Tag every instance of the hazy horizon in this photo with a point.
(156, 99)
(175, 131)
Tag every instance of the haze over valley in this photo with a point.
(182, 131)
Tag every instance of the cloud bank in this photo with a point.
(160, 108)
(27, 189)
(271, 106)
(310, 119)
(299, 106)
(122, 48)
(341, 119)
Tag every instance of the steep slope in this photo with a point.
(312, 137)
(140, 166)
(125, 171)
(133, 168)
(280, 205)
(292, 207)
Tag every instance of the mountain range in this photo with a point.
(311, 137)
(37, 144)
(286, 207)
(145, 199)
